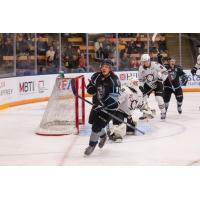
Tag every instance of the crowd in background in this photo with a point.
(73, 59)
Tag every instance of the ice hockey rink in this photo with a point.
(176, 141)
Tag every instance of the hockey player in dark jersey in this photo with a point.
(104, 87)
(176, 78)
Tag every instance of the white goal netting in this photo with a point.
(65, 110)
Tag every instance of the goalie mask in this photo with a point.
(132, 83)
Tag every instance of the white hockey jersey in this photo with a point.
(197, 66)
(151, 74)
(198, 62)
(129, 100)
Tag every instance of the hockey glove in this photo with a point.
(141, 89)
(98, 108)
(160, 80)
(193, 71)
(152, 85)
(183, 80)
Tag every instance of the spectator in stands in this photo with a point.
(30, 63)
(124, 62)
(153, 48)
(50, 56)
(82, 62)
(107, 48)
(106, 51)
(98, 48)
(66, 62)
(56, 48)
(7, 47)
(162, 46)
(134, 63)
(69, 51)
(41, 46)
(22, 45)
(26, 67)
(121, 54)
(130, 47)
(73, 64)
(139, 46)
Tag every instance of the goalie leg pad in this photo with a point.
(119, 130)
(132, 121)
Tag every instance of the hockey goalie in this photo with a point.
(130, 100)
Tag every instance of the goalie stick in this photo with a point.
(114, 117)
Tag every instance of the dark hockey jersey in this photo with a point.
(105, 90)
(176, 77)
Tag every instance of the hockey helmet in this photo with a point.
(145, 57)
(108, 62)
(132, 82)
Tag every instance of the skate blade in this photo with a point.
(118, 141)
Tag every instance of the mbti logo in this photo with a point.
(27, 87)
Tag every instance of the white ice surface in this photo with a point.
(173, 142)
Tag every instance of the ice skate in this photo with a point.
(163, 116)
(179, 109)
(166, 106)
(102, 141)
(89, 150)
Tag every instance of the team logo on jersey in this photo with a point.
(133, 102)
(100, 92)
(149, 78)
(172, 75)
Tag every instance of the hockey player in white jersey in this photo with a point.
(196, 67)
(130, 99)
(151, 76)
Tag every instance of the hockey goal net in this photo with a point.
(65, 110)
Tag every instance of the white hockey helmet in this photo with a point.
(198, 59)
(132, 82)
(145, 57)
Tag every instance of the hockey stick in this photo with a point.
(103, 110)
(149, 91)
(114, 117)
